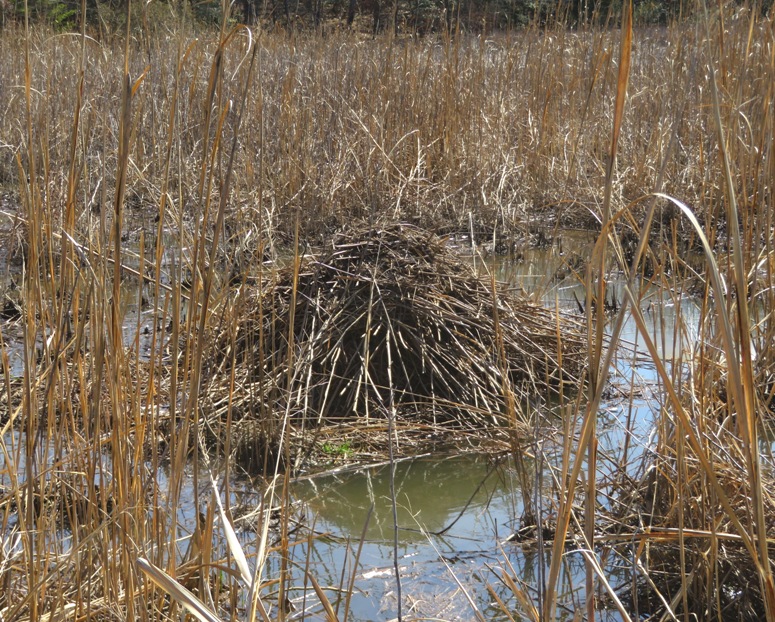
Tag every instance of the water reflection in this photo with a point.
(555, 274)
(471, 498)
(469, 502)
(474, 500)
(430, 492)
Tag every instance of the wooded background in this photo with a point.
(401, 17)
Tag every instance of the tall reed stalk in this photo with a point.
(229, 148)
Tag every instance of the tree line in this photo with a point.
(401, 17)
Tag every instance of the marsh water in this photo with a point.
(454, 515)
(446, 540)
(438, 527)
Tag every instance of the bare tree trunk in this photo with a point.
(376, 12)
(249, 11)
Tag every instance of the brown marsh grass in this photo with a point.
(210, 151)
(430, 130)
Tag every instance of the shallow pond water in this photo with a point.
(451, 514)
(454, 517)
(448, 539)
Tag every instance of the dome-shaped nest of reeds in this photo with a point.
(391, 318)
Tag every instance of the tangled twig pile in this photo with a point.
(391, 320)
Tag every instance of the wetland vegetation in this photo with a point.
(244, 269)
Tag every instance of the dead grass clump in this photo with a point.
(390, 317)
(693, 558)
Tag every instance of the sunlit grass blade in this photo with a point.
(233, 541)
(327, 607)
(184, 596)
(746, 392)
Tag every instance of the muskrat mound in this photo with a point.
(391, 320)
